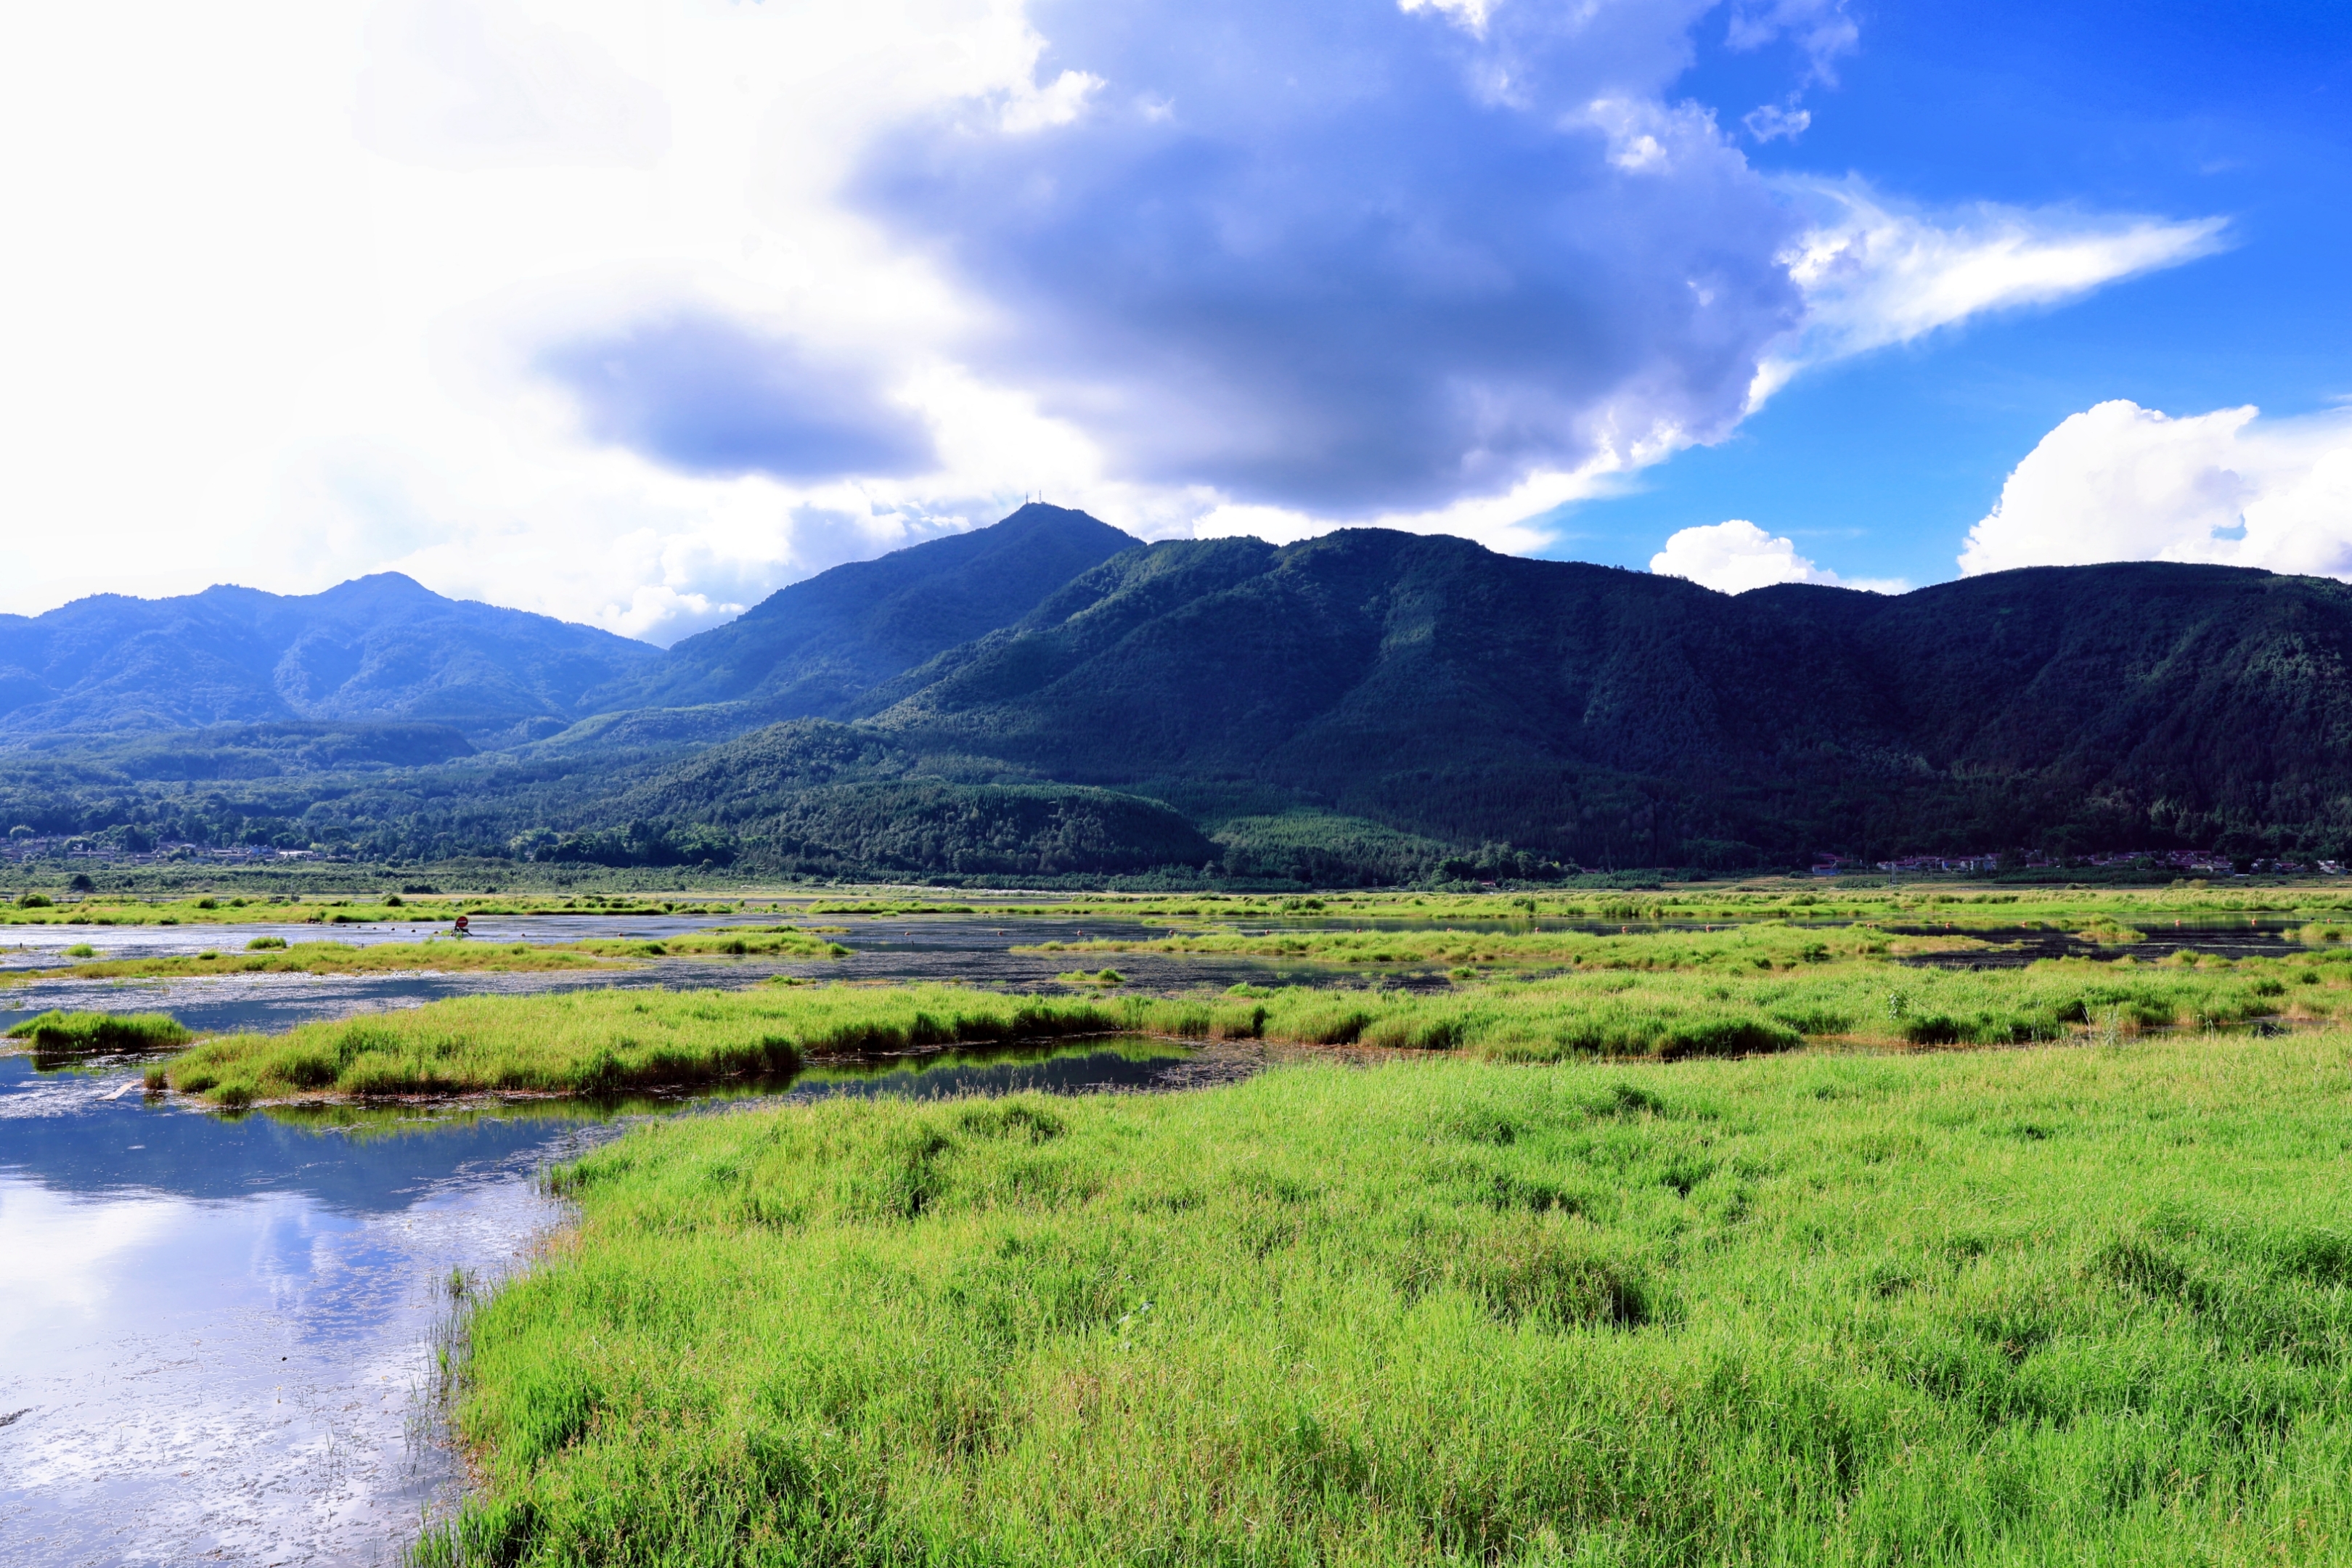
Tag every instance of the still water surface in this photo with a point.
(218, 1335)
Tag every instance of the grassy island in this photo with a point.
(607, 1041)
(54, 1034)
(327, 958)
(270, 956)
(2055, 1305)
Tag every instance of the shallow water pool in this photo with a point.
(218, 1334)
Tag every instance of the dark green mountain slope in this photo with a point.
(929, 825)
(1616, 715)
(812, 797)
(377, 647)
(815, 648)
(748, 777)
(1368, 705)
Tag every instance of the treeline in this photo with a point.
(827, 799)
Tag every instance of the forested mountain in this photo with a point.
(1606, 715)
(374, 648)
(1366, 705)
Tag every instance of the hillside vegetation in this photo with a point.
(1619, 716)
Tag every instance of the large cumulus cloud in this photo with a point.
(2120, 482)
(1348, 256)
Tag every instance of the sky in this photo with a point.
(633, 313)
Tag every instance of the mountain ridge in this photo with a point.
(1366, 699)
(813, 649)
(378, 647)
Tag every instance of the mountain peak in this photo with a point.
(813, 649)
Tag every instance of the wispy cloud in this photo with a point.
(1876, 272)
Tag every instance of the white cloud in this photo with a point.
(1770, 121)
(362, 286)
(1875, 273)
(1821, 27)
(1352, 294)
(473, 84)
(1735, 556)
(2119, 482)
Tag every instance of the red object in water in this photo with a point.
(461, 922)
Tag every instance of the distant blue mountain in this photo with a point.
(385, 647)
(377, 647)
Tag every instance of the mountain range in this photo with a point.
(1049, 696)
(379, 648)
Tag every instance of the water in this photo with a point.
(218, 1334)
(2016, 946)
(947, 948)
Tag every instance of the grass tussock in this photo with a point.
(2082, 1306)
(76, 1033)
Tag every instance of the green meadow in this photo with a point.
(2073, 1304)
(729, 941)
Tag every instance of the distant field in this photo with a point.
(2027, 1307)
(100, 909)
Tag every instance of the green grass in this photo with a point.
(730, 941)
(1764, 944)
(327, 958)
(57, 1033)
(610, 1041)
(2022, 1308)
(606, 1041)
(1677, 1012)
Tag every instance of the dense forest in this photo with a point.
(1047, 698)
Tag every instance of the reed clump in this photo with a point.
(81, 1034)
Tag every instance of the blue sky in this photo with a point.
(2240, 111)
(632, 311)
(1881, 465)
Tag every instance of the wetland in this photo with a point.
(1341, 1227)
